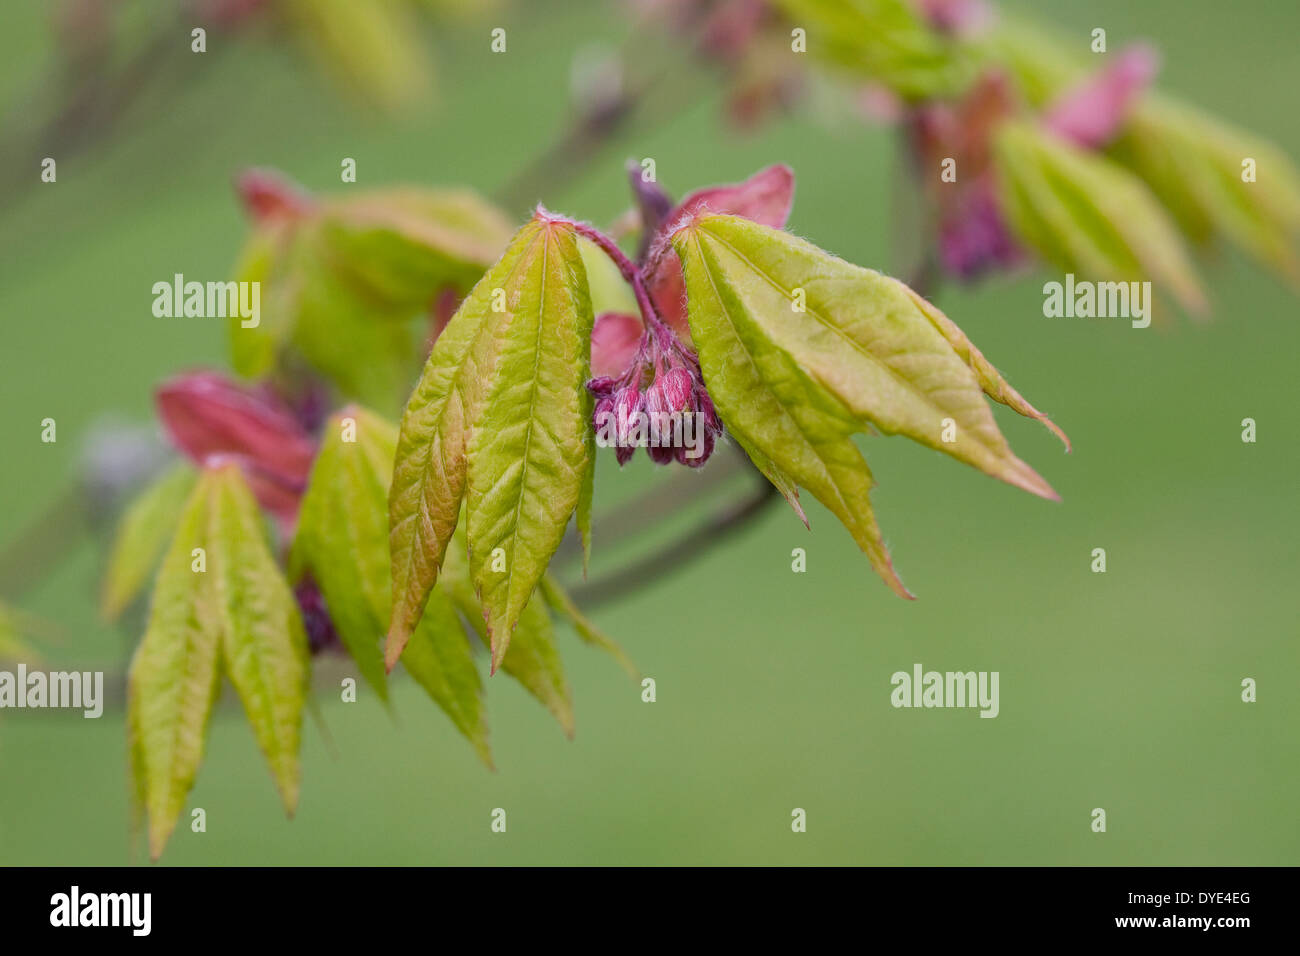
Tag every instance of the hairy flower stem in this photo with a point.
(631, 272)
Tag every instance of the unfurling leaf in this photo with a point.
(793, 384)
(235, 615)
(1087, 214)
(141, 536)
(342, 542)
(499, 419)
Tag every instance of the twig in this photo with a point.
(690, 547)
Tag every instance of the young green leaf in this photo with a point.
(562, 604)
(224, 607)
(175, 672)
(342, 541)
(800, 350)
(533, 658)
(342, 279)
(1087, 214)
(439, 657)
(883, 41)
(141, 536)
(400, 245)
(531, 451)
(500, 417)
(263, 644)
(342, 534)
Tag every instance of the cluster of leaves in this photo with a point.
(1079, 166)
(345, 281)
(223, 603)
(441, 533)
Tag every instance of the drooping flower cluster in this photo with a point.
(648, 386)
(659, 402)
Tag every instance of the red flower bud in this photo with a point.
(679, 389)
(628, 404)
(705, 449)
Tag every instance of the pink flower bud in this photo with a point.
(678, 389)
(706, 451)
(628, 403)
(602, 417)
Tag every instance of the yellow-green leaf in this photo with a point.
(401, 245)
(800, 350)
(500, 417)
(220, 604)
(532, 449)
(175, 673)
(1193, 163)
(562, 604)
(884, 41)
(142, 534)
(1085, 213)
(342, 540)
(533, 658)
(347, 284)
(439, 657)
(342, 534)
(263, 644)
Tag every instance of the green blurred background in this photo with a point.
(1119, 690)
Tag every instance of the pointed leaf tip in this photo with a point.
(801, 351)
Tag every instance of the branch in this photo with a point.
(690, 547)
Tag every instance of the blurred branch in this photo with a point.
(45, 542)
(93, 106)
(688, 548)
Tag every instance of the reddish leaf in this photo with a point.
(207, 415)
(614, 341)
(764, 198)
